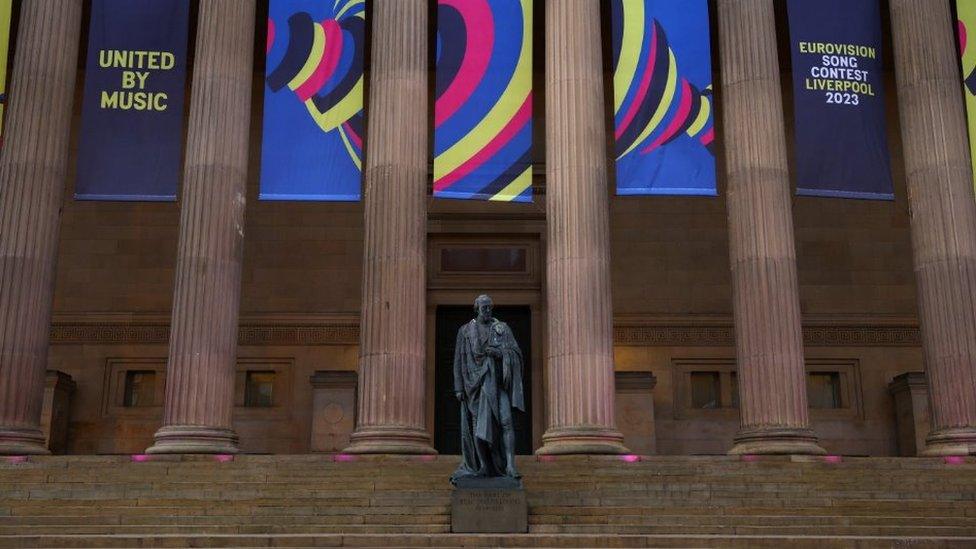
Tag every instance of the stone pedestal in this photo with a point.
(769, 344)
(392, 387)
(56, 410)
(333, 410)
(940, 192)
(33, 166)
(489, 506)
(910, 393)
(580, 389)
(203, 339)
(635, 410)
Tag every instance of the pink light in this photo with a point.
(750, 457)
(140, 458)
(343, 457)
(427, 458)
(955, 460)
(16, 459)
(833, 459)
(630, 458)
(224, 458)
(546, 459)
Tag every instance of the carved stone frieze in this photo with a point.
(343, 329)
(123, 329)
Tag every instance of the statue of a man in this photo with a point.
(488, 382)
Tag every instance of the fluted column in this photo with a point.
(580, 323)
(391, 349)
(769, 341)
(206, 299)
(940, 191)
(33, 165)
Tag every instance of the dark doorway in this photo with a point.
(447, 411)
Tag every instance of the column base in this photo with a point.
(776, 440)
(194, 439)
(390, 440)
(956, 441)
(582, 440)
(17, 441)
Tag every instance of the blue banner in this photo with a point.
(313, 100)
(132, 115)
(662, 97)
(483, 108)
(841, 140)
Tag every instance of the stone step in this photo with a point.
(312, 500)
(380, 501)
(486, 540)
(796, 530)
(444, 527)
(689, 523)
(441, 526)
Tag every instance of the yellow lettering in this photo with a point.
(110, 100)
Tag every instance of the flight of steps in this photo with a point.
(321, 500)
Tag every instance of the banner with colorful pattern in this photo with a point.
(838, 99)
(6, 7)
(313, 100)
(662, 97)
(483, 109)
(967, 52)
(131, 141)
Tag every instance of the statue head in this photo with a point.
(482, 306)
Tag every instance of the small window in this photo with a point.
(823, 390)
(140, 388)
(705, 390)
(259, 389)
(484, 260)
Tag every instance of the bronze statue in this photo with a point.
(488, 382)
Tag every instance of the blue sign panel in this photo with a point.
(841, 141)
(132, 115)
(662, 97)
(313, 100)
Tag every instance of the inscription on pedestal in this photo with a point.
(484, 511)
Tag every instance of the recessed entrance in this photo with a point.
(447, 410)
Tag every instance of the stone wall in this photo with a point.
(302, 267)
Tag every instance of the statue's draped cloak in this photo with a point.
(481, 378)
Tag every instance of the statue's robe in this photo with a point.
(488, 400)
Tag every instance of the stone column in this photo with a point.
(769, 341)
(580, 386)
(391, 348)
(940, 192)
(33, 164)
(203, 339)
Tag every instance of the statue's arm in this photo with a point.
(512, 364)
(458, 358)
(508, 344)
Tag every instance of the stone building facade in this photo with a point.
(754, 322)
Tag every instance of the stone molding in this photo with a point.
(343, 329)
(908, 381)
(634, 381)
(333, 379)
(718, 331)
(259, 330)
